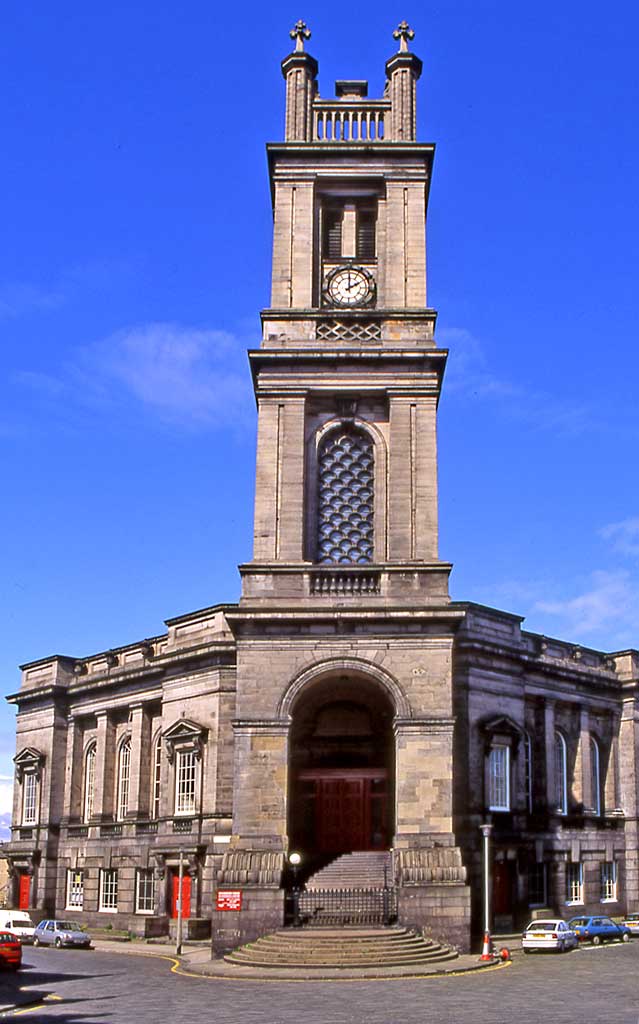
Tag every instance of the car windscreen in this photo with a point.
(542, 926)
(579, 921)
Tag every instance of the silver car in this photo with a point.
(60, 933)
(552, 934)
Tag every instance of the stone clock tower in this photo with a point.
(343, 736)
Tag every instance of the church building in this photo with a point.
(345, 709)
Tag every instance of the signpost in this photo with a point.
(178, 934)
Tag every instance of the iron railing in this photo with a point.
(335, 907)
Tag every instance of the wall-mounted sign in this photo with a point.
(228, 899)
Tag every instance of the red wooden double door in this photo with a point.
(186, 894)
(348, 809)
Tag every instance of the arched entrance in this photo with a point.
(342, 791)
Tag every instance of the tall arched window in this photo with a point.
(89, 784)
(345, 497)
(561, 774)
(595, 777)
(124, 775)
(528, 772)
(157, 779)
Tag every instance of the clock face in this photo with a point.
(349, 286)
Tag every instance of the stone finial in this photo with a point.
(299, 33)
(403, 32)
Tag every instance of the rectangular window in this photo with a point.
(108, 889)
(145, 891)
(608, 881)
(29, 798)
(537, 885)
(574, 883)
(498, 778)
(75, 890)
(185, 782)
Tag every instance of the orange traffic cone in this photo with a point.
(487, 948)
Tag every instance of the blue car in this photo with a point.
(598, 929)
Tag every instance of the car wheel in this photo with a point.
(625, 937)
(58, 943)
(561, 948)
(596, 940)
(36, 941)
(528, 951)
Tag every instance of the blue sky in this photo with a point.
(136, 256)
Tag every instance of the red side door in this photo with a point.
(186, 895)
(24, 891)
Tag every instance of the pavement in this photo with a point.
(195, 960)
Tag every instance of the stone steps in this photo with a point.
(362, 870)
(350, 948)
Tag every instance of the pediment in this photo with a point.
(501, 725)
(185, 735)
(28, 760)
(183, 729)
(29, 756)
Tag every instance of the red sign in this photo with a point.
(229, 899)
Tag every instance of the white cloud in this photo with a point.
(184, 375)
(6, 795)
(607, 607)
(182, 372)
(624, 536)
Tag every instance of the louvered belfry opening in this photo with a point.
(365, 214)
(345, 498)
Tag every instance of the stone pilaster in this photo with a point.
(549, 749)
(103, 804)
(73, 777)
(140, 775)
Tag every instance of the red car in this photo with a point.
(10, 951)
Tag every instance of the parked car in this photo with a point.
(631, 921)
(599, 929)
(10, 950)
(60, 933)
(19, 923)
(550, 933)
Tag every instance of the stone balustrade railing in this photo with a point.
(349, 121)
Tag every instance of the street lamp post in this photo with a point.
(294, 860)
(486, 831)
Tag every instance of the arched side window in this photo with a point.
(157, 779)
(528, 772)
(124, 776)
(595, 776)
(345, 516)
(561, 774)
(89, 784)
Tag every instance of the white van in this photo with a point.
(18, 922)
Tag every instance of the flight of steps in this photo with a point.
(354, 871)
(342, 948)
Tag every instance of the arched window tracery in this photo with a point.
(345, 525)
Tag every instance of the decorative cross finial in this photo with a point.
(299, 34)
(403, 32)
